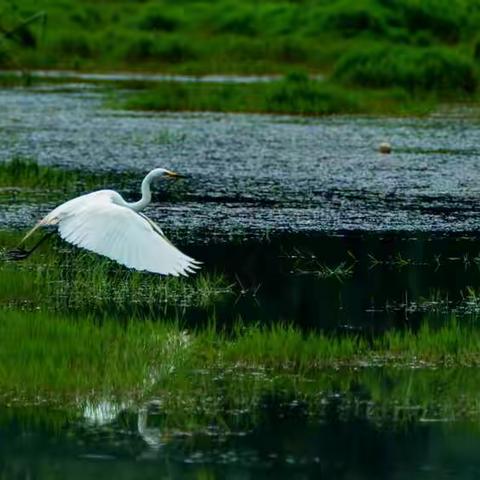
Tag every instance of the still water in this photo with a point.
(286, 447)
(312, 226)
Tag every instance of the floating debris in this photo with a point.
(385, 147)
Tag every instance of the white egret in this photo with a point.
(104, 223)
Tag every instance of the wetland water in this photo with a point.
(307, 224)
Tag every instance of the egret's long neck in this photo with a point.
(146, 194)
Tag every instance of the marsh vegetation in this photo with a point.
(323, 329)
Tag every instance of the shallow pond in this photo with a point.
(304, 223)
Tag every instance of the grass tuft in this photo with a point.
(67, 279)
(25, 172)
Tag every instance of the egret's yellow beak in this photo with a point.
(171, 174)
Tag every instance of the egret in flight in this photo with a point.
(104, 223)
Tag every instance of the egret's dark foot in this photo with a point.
(18, 254)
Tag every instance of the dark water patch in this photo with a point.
(366, 283)
(348, 281)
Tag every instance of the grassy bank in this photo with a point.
(62, 356)
(425, 50)
(295, 94)
(24, 179)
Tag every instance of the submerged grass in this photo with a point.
(235, 401)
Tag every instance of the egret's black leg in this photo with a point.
(21, 253)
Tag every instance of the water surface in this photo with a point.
(261, 173)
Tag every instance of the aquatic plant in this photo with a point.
(307, 263)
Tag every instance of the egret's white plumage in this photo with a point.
(104, 223)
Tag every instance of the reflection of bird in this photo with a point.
(151, 435)
(103, 222)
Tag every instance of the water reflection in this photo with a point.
(284, 442)
(342, 282)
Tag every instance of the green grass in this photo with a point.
(63, 278)
(421, 46)
(295, 94)
(63, 357)
(24, 172)
(24, 179)
(224, 35)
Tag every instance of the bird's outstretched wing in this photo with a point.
(98, 224)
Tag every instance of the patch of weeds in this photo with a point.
(70, 280)
(158, 20)
(24, 176)
(397, 261)
(25, 172)
(295, 94)
(354, 19)
(470, 301)
(439, 302)
(73, 44)
(306, 263)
